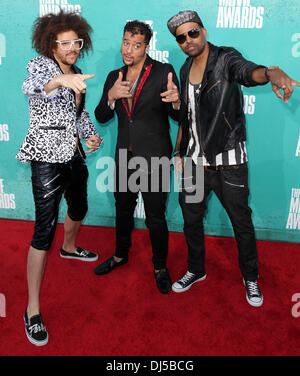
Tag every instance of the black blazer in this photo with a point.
(146, 129)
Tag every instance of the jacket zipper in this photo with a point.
(215, 84)
(52, 128)
(48, 194)
(234, 185)
(225, 118)
(50, 181)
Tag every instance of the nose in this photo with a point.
(129, 48)
(188, 38)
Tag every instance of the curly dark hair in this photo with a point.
(139, 27)
(46, 28)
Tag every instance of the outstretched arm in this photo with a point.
(76, 82)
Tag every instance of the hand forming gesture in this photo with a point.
(76, 82)
(70, 81)
(92, 143)
(172, 93)
(121, 89)
(281, 81)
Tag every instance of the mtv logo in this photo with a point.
(2, 47)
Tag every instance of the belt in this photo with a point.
(217, 168)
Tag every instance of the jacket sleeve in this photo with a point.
(174, 114)
(239, 69)
(40, 72)
(85, 126)
(183, 115)
(103, 112)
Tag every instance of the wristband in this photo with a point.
(175, 153)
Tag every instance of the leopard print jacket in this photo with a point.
(54, 121)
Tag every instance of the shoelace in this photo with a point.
(36, 328)
(253, 288)
(186, 278)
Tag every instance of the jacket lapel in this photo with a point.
(141, 82)
(209, 67)
(210, 64)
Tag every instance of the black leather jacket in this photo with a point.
(220, 104)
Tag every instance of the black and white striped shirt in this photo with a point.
(235, 156)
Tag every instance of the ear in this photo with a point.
(54, 49)
(54, 53)
(147, 48)
(204, 32)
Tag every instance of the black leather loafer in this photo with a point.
(108, 265)
(163, 281)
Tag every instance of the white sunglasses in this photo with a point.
(67, 44)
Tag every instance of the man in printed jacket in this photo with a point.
(58, 119)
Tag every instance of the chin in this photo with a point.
(128, 64)
(73, 61)
(196, 53)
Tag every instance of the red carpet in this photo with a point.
(123, 313)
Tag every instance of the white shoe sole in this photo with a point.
(254, 304)
(175, 289)
(80, 259)
(34, 342)
(37, 343)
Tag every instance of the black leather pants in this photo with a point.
(49, 182)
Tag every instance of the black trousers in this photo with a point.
(231, 188)
(155, 206)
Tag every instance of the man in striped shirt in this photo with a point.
(235, 156)
(212, 136)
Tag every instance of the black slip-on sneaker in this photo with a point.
(35, 330)
(79, 254)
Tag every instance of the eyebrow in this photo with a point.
(128, 40)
